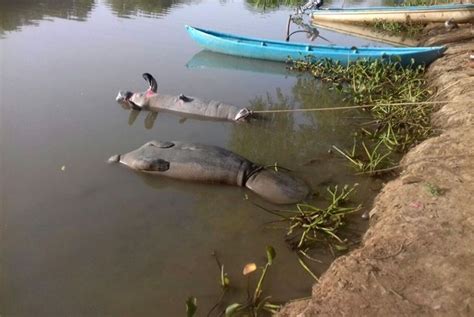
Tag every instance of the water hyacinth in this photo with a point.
(394, 96)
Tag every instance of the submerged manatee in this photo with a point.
(212, 164)
(151, 100)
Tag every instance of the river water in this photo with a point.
(83, 238)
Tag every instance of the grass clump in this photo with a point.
(309, 225)
(394, 96)
(408, 29)
(425, 2)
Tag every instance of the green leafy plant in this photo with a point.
(191, 306)
(310, 225)
(255, 303)
(394, 96)
(408, 29)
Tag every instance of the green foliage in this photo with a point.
(255, 304)
(409, 29)
(392, 94)
(433, 189)
(191, 306)
(310, 225)
(271, 4)
(426, 2)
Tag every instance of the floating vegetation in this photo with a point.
(374, 160)
(254, 305)
(424, 2)
(409, 28)
(310, 225)
(191, 306)
(394, 95)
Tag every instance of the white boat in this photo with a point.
(423, 14)
(366, 32)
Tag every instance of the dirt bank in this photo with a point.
(417, 256)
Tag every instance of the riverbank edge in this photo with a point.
(416, 257)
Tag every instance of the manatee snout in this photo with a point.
(123, 96)
(114, 159)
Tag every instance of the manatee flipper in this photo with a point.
(150, 119)
(182, 120)
(133, 116)
(184, 98)
(162, 144)
(152, 165)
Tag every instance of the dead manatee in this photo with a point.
(191, 106)
(213, 164)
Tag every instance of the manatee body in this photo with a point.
(212, 164)
(151, 100)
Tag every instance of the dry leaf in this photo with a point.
(249, 268)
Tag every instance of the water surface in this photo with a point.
(80, 237)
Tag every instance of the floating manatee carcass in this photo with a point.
(213, 164)
(191, 106)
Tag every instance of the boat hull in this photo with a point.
(366, 32)
(424, 14)
(283, 51)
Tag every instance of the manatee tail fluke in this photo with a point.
(278, 187)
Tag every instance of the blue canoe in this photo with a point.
(282, 51)
(422, 14)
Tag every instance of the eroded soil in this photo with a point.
(417, 258)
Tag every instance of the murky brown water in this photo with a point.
(80, 237)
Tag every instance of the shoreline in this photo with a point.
(416, 257)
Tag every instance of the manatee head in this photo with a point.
(146, 158)
(138, 100)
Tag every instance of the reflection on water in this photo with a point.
(14, 14)
(93, 239)
(269, 5)
(292, 138)
(126, 8)
(207, 59)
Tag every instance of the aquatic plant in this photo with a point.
(409, 28)
(394, 96)
(254, 304)
(373, 159)
(310, 225)
(271, 4)
(425, 2)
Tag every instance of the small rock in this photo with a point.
(372, 212)
(410, 179)
(366, 215)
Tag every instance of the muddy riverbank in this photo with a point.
(416, 258)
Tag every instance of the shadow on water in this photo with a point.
(14, 14)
